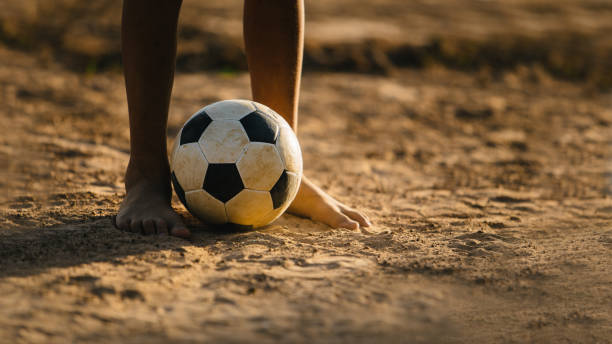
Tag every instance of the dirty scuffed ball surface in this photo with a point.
(236, 161)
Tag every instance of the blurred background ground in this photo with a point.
(476, 135)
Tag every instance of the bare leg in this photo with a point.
(148, 43)
(274, 39)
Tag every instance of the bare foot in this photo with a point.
(314, 203)
(146, 208)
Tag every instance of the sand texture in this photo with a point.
(489, 190)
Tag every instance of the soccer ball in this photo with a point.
(236, 161)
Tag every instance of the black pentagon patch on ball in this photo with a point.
(178, 189)
(195, 127)
(280, 190)
(260, 127)
(223, 181)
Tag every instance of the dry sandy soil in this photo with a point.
(490, 194)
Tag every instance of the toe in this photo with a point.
(135, 226)
(349, 224)
(180, 231)
(357, 216)
(122, 224)
(162, 227)
(339, 220)
(148, 226)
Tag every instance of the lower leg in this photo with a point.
(148, 44)
(274, 40)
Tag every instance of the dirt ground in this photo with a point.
(489, 190)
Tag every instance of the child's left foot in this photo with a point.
(314, 203)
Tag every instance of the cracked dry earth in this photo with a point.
(491, 203)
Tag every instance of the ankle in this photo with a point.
(155, 173)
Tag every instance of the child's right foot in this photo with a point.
(314, 203)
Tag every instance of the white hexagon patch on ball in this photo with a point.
(236, 161)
